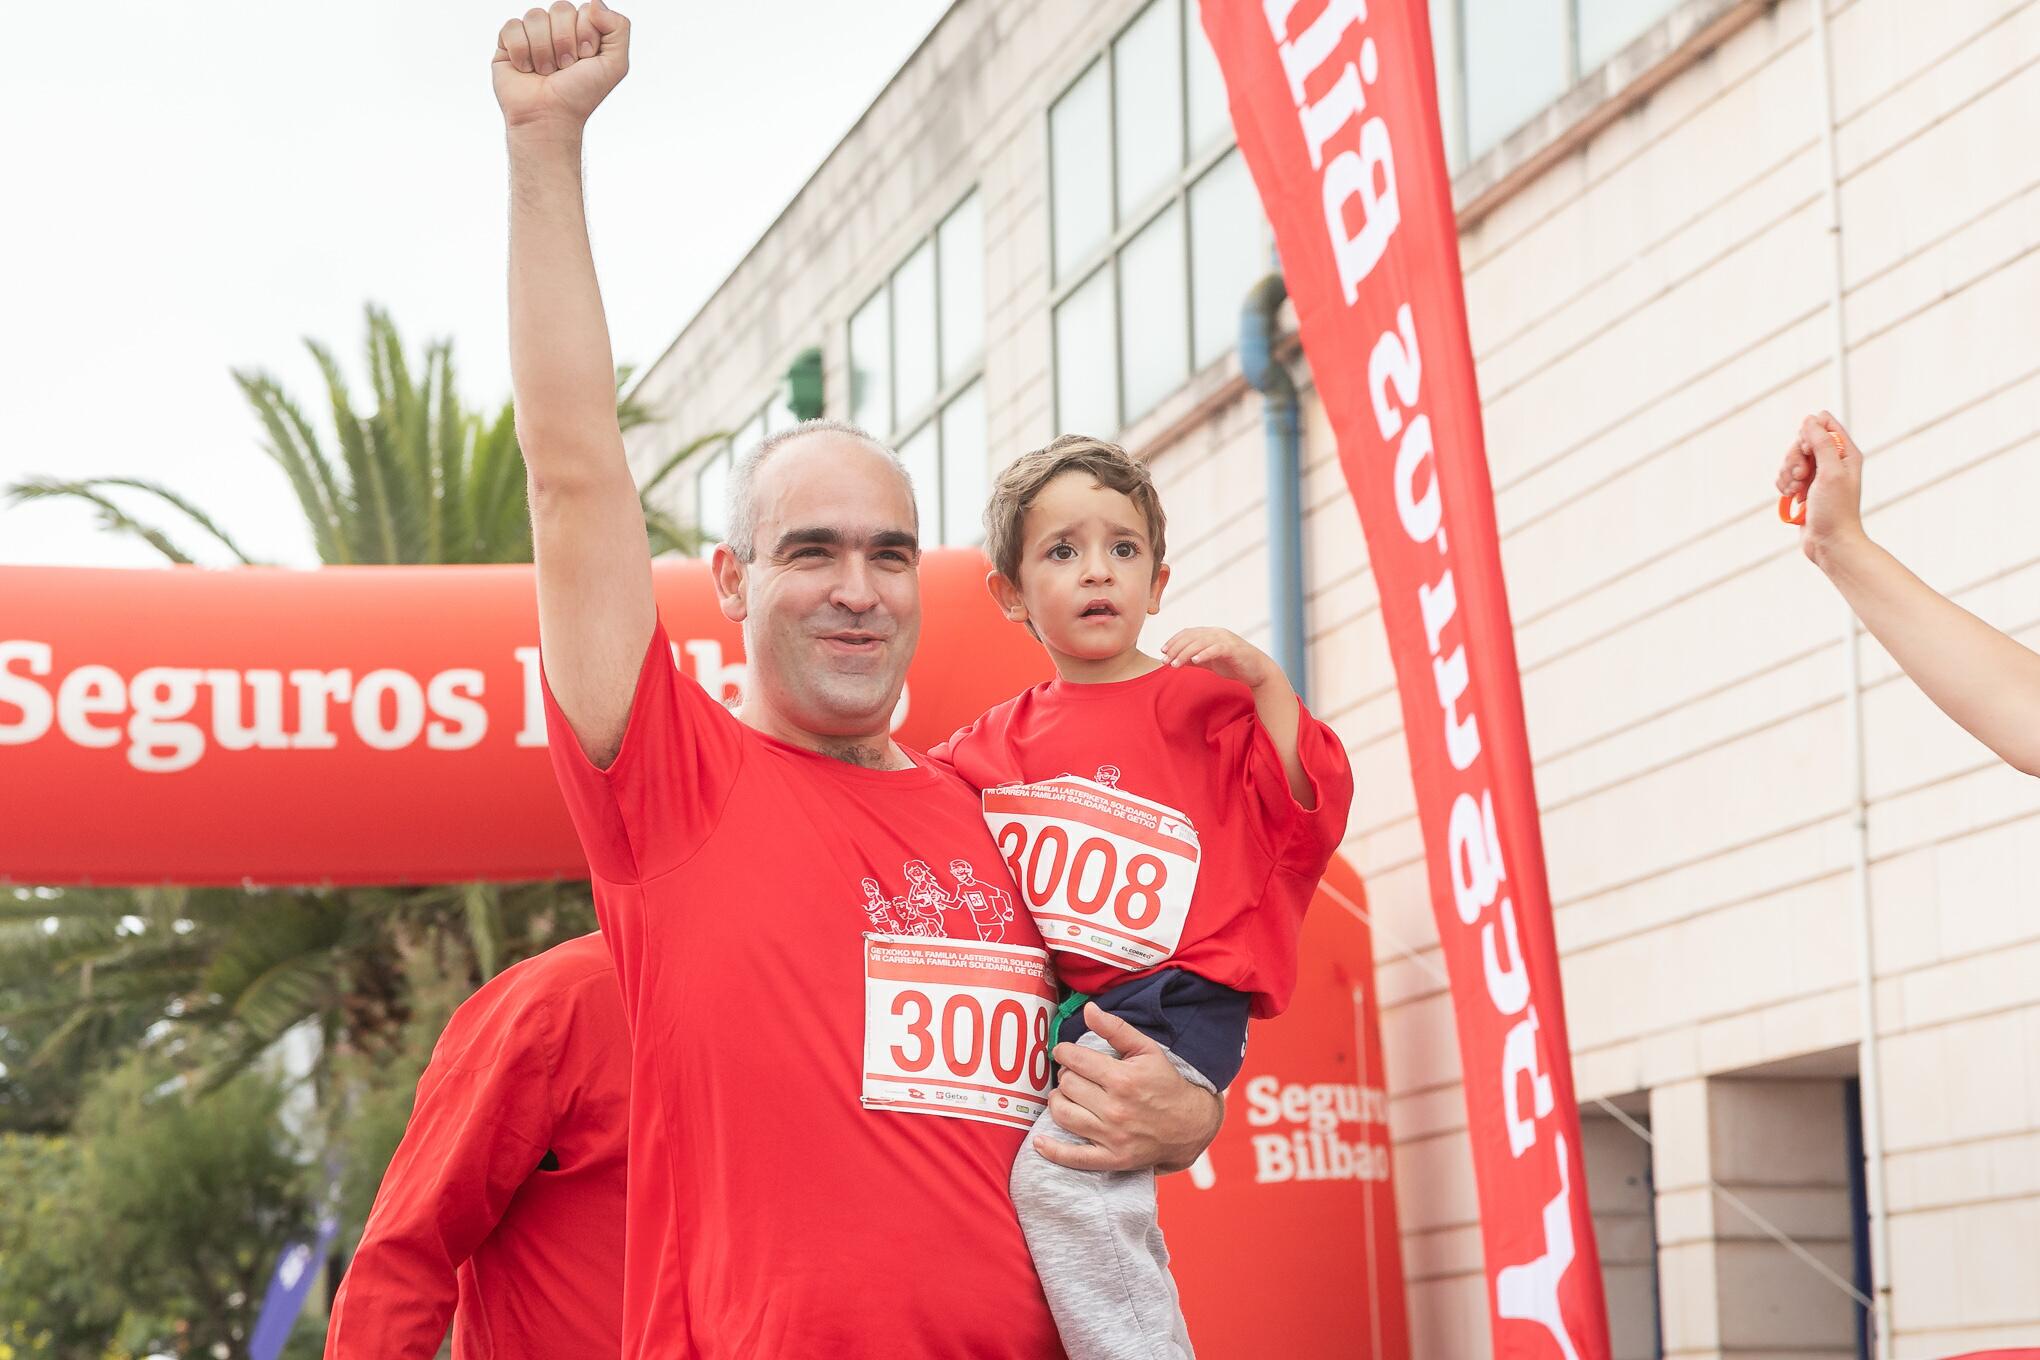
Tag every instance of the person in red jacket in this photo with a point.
(503, 1208)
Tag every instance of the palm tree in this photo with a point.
(419, 479)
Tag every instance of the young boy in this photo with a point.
(1167, 819)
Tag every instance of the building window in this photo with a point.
(917, 350)
(1155, 230)
(1502, 61)
(712, 474)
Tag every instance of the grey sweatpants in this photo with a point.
(1097, 1247)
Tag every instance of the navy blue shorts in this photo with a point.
(1202, 1022)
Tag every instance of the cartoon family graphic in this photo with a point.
(919, 912)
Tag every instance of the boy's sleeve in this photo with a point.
(1320, 828)
(963, 754)
(481, 1125)
(1301, 840)
(657, 801)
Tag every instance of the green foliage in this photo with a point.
(189, 1202)
(155, 1224)
(53, 1301)
(419, 477)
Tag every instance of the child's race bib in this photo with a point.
(1105, 874)
(956, 1027)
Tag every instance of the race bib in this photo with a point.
(1105, 874)
(956, 1027)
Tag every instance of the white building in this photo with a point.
(1040, 225)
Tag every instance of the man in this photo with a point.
(503, 1206)
(780, 1190)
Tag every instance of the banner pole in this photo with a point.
(1869, 1069)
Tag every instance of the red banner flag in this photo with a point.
(1337, 117)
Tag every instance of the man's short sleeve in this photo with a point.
(658, 800)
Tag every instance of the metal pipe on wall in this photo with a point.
(1270, 377)
(1869, 1071)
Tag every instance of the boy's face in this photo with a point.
(1088, 577)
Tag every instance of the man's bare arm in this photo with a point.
(1133, 1110)
(595, 609)
(1975, 674)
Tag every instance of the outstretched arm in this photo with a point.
(595, 610)
(1975, 674)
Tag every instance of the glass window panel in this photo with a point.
(960, 248)
(1147, 105)
(779, 412)
(918, 452)
(750, 436)
(1227, 253)
(711, 497)
(966, 471)
(1210, 120)
(1445, 60)
(1608, 26)
(1086, 390)
(1515, 65)
(871, 367)
(1153, 348)
(1080, 171)
(913, 294)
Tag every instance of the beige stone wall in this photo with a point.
(1649, 320)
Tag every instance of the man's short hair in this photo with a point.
(742, 508)
(1021, 482)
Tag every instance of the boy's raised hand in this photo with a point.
(1228, 655)
(1224, 653)
(553, 66)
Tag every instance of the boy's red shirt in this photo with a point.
(1191, 741)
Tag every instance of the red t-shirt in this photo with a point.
(503, 1207)
(771, 1213)
(1189, 741)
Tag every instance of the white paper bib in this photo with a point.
(956, 1028)
(1104, 873)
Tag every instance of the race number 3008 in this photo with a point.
(956, 1028)
(1104, 874)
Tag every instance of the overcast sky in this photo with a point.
(191, 189)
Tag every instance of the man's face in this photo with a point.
(1088, 577)
(831, 602)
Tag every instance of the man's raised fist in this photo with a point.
(555, 65)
